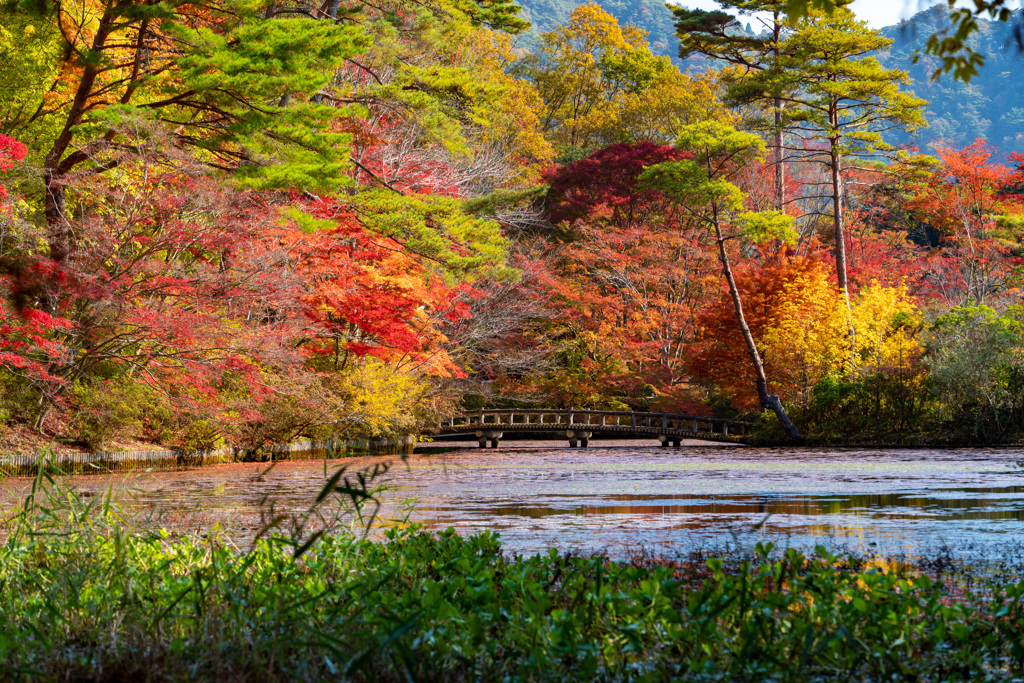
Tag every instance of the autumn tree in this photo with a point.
(228, 81)
(980, 224)
(600, 84)
(627, 274)
(702, 188)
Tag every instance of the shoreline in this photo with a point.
(108, 461)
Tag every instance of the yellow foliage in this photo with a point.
(511, 117)
(885, 325)
(381, 398)
(807, 338)
(673, 100)
(601, 85)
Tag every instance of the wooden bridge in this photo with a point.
(579, 426)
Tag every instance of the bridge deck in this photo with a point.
(581, 425)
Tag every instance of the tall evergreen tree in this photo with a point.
(838, 94)
(720, 36)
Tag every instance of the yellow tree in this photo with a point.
(660, 112)
(582, 68)
(886, 321)
(807, 338)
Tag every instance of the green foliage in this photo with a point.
(247, 74)
(716, 145)
(954, 50)
(19, 398)
(105, 410)
(976, 365)
(766, 226)
(701, 184)
(437, 228)
(29, 51)
(877, 407)
(88, 594)
(833, 85)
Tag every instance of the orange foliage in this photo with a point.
(719, 358)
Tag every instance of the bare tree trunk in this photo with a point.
(840, 234)
(770, 401)
(780, 171)
(837, 217)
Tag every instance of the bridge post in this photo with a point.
(725, 429)
(571, 416)
(489, 435)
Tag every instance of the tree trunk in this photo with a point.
(840, 234)
(780, 171)
(56, 166)
(770, 401)
(837, 217)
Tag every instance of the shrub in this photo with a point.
(976, 365)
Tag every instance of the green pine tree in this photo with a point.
(720, 36)
(838, 94)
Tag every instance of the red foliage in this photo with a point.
(606, 182)
(718, 357)
(964, 200)
(11, 152)
(361, 294)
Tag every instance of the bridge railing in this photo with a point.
(596, 418)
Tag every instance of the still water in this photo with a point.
(621, 496)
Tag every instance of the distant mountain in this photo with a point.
(991, 106)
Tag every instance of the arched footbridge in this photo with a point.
(579, 426)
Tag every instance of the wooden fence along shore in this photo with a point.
(26, 465)
(488, 426)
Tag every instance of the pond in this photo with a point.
(622, 496)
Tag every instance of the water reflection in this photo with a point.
(622, 495)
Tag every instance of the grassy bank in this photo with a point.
(92, 593)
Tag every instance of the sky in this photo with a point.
(877, 13)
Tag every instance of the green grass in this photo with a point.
(89, 594)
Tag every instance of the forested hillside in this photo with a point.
(237, 223)
(991, 106)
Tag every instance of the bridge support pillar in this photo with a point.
(580, 438)
(490, 435)
(664, 440)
